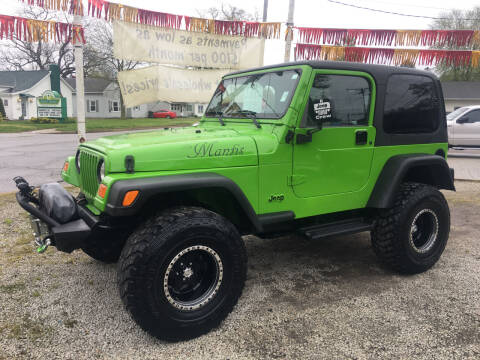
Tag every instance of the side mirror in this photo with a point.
(307, 137)
(463, 120)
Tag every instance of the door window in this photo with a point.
(338, 100)
(473, 116)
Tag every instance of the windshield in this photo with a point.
(456, 113)
(265, 95)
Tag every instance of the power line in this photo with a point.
(409, 5)
(395, 13)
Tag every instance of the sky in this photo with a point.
(308, 13)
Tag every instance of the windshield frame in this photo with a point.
(289, 100)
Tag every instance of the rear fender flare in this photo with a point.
(424, 168)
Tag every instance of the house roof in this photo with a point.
(92, 85)
(461, 90)
(17, 81)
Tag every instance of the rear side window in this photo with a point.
(411, 105)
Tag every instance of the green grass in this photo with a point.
(96, 125)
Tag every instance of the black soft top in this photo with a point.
(378, 72)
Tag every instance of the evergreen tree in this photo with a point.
(3, 115)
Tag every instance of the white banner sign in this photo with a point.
(169, 84)
(178, 47)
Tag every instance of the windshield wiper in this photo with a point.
(252, 115)
(220, 116)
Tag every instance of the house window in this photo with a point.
(176, 107)
(5, 102)
(113, 106)
(200, 109)
(92, 106)
(189, 107)
(136, 108)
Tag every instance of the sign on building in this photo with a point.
(51, 105)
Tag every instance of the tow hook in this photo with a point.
(42, 245)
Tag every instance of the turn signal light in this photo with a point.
(65, 166)
(130, 197)
(102, 189)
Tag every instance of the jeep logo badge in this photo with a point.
(279, 197)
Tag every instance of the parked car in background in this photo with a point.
(165, 114)
(464, 126)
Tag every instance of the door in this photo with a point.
(338, 117)
(466, 129)
(24, 108)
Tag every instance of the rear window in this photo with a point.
(411, 105)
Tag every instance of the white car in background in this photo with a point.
(464, 126)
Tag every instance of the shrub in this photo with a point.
(43, 120)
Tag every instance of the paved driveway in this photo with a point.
(39, 158)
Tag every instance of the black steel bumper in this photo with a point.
(65, 237)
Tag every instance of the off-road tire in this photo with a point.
(107, 249)
(395, 229)
(152, 249)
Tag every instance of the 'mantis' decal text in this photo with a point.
(210, 150)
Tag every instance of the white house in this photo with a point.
(18, 90)
(102, 100)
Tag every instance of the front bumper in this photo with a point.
(65, 237)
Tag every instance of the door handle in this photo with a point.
(361, 137)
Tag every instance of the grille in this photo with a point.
(88, 172)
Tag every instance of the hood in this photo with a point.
(178, 149)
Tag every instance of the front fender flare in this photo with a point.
(149, 187)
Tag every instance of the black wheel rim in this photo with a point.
(424, 231)
(193, 277)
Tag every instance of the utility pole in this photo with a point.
(289, 36)
(265, 11)
(80, 86)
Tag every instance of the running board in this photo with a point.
(351, 226)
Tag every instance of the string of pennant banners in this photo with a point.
(385, 56)
(74, 7)
(32, 30)
(369, 37)
(114, 11)
(313, 43)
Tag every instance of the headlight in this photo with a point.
(101, 170)
(77, 160)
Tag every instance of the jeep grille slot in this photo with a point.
(88, 173)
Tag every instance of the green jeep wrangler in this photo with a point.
(315, 148)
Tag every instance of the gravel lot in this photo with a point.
(325, 299)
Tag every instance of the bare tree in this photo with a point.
(458, 20)
(228, 12)
(16, 54)
(98, 52)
